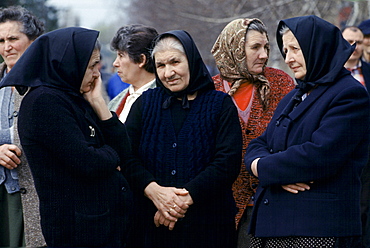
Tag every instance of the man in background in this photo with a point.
(360, 70)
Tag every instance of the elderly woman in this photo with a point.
(241, 52)
(134, 65)
(18, 29)
(310, 158)
(188, 139)
(75, 154)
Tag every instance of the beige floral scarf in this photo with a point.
(230, 57)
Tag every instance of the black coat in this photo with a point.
(73, 156)
(84, 199)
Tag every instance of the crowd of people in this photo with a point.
(250, 157)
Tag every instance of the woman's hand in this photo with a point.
(160, 219)
(96, 100)
(167, 200)
(295, 188)
(254, 166)
(9, 156)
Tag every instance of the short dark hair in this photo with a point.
(135, 39)
(352, 28)
(31, 25)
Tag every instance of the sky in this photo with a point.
(91, 12)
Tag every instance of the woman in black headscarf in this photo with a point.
(310, 158)
(74, 154)
(188, 139)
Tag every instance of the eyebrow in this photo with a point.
(167, 60)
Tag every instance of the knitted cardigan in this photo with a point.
(166, 154)
(281, 83)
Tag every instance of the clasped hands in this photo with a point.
(294, 188)
(171, 203)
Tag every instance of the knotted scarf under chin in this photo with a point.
(169, 100)
(303, 88)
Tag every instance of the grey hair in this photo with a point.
(256, 25)
(283, 30)
(167, 43)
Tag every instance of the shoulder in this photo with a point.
(218, 81)
(277, 75)
(45, 97)
(113, 104)
(348, 84)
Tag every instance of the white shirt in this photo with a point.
(132, 98)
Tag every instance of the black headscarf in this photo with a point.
(324, 49)
(56, 59)
(200, 79)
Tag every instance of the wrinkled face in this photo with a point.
(127, 70)
(293, 55)
(173, 69)
(91, 73)
(256, 47)
(352, 37)
(13, 42)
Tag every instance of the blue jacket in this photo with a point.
(8, 177)
(324, 140)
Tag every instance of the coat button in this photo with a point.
(124, 189)
(15, 113)
(23, 190)
(271, 151)
(173, 172)
(174, 145)
(266, 201)
(252, 198)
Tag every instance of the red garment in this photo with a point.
(122, 104)
(243, 95)
(280, 84)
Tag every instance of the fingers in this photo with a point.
(9, 156)
(176, 211)
(296, 188)
(159, 219)
(181, 191)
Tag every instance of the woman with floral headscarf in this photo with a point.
(310, 158)
(188, 139)
(241, 53)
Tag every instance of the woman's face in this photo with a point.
(91, 73)
(127, 70)
(13, 42)
(256, 47)
(173, 69)
(293, 55)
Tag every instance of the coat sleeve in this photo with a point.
(337, 134)
(50, 129)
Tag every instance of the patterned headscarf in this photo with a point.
(230, 57)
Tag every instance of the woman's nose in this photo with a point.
(115, 63)
(169, 72)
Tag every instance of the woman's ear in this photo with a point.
(143, 61)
